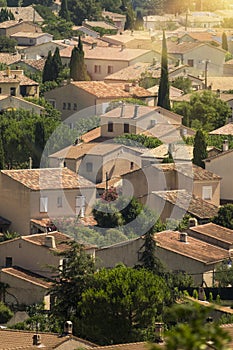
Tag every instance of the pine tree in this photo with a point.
(199, 150)
(64, 12)
(224, 41)
(2, 157)
(47, 74)
(163, 93)
(57, 64)
(78, 71)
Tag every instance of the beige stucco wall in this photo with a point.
(223, 166)
(6, 87)
(42, 50)
(11, 102)
(20, 27)
(118, 126)
(29, 256)
(15, 204)
(198, 188)
(22, 291)
(199, 54)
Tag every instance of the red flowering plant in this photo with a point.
(110, 194)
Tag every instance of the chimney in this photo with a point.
(127, 87)
(122, 110)
(50, 242)
(192, 222)
(61, 162)
(122, 47)
(136, 107)
(8, 71)
(159, 329)
(93, 45)
(68, 327)
(36, 339)
(225, 146)
(183, 237)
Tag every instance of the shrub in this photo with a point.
(5, 313)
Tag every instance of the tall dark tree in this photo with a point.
(225, 216)
(2, 157)
(163, 93)
(47, 74)
(39, 144)
(224, 41)
(78, 71)
(199, 150)
(139, 20)
(57, 64)
(130, 21)
(64, 12)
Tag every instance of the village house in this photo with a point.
(152, 23)
(15, 83)
(11, 27)
(12, 103)
(30, 196)
(94, 96)
(100, 25)
(31, 39)
(33, 65)
(222, 165)
(117, 18)
(200, 57)
(26, 14)
(102, 61)
(200, 19)
(178, 251)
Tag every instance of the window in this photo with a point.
(80, 206)
(43, 204)
(126, 127)
(190, 63)
(110, 69)
(64, 105)
(53, 103)
(8, 261)
(0, 90)
(207, 192)
(59, 202)
(110, 126)
(12, 91)
(97, 69)
(75, 107)
(30, 41)
(89, 167)
(131, 165)
(69, 106)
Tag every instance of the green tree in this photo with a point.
(39, 144)
(182, 83)
(78, 71)
(6, 15)
(47, 74)
(163, 93)
(7, 44)
(130, 21)
(79, 11)
(224, 41)
(224, 274)
(225, 216)
(72, 280)
(192, 331)
(121, 305)
(139, 20)
(5, 313)
(64, 13)
(200, 149)
(59, 28)
(57, 64)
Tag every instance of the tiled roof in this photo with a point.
(103, 90)
(220, 83)
(221, 154)
(106, 53)
(9, 58)
(192, 204)
(100, 24)
(27, 276)
(8, 24)
(37, 64)
(11, 77)
(182, 47)
(112, 14)
(50, 178)
(201, 36)
(161, 115)
(17, 340)
(194, 249)
(25, 13)
(91, 135)
(29, 35)
(215, 231)
(130, 346)
(61, 240)
(181, 151)
(224, 130)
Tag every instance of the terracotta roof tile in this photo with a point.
(27, 13)
(224, 130)
(17, 340)
(13, 76)
(9, 58)
(61, 240)
(215, 231)
(50, 178)
(91, 135)
(194, 248)
(190, 203)
(130, 346)
(100, 24)
(112, 91)
(27, 276)
(29, 35)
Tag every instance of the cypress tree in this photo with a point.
(64, 12)
(78, 71)
(57, 64)
(163, 93)
(2, 157)
(129, 23)
(47, 74)
(39, 143)
(224, 41)
(199, 150)
(139, 20)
